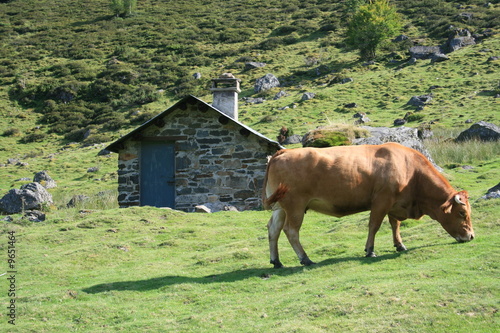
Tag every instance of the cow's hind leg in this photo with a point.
(293, 222)
(396, 236)
(274, 227)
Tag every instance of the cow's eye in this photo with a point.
(462, 214)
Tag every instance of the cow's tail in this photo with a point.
(278, 194)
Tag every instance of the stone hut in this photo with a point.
(194, 153)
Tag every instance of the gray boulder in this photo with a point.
(424, 52)
(480, 131)
(77, 199)
(30, 196)
(438, 57)
(252, 65)
(308, 96)
(279, 95)
(292, 139)
(493, 193)
(361, 118)
(458, 39)
(266, 82)
(44, 179)
(34, 216)
(404, 135)
(419, 101)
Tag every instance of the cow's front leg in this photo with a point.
(274, 227)
(376, 218)
(396, 236)
(291, 229)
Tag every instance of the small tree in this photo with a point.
(371, 24)
(123, 8)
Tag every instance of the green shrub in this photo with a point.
(33, 137)
(415, 117)
(12, 132)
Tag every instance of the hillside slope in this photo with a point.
(72, 72)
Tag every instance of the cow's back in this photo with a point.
(341, 180)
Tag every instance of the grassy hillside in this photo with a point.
(71, 68)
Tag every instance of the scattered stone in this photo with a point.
(424, 132)
(266, 82)
(43, 178)
(439, 57)
(293, 139)
(92, 169)
(493, 58)
(77, 199)
(399, 122)
(197, 76)
(347, 80)
(8, 219)
(34, 216)
(424, 52)
(253, 65)
(251, 100)
(281, 94)
(419, 101)
(352, 105)
(23, 179)
(458, 39)
(493, 193)
(213, 207)
(307, 96)
(361, 118)
(412, 61)
(480, 131)
(29, 196)
(400, 38)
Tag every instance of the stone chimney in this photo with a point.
(225, 91)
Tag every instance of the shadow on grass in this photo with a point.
(242, 274)
(238, 275)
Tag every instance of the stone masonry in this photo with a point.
(216, 158)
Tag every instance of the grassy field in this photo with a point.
(157, 270)
(97, 268)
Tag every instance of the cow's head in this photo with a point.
(455, 217)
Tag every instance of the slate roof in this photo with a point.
(190, 99)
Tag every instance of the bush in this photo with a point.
(34, 137)
(334, 135)
(11, 132)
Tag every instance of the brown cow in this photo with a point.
(387, 179)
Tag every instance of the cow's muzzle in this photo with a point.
(466, 238)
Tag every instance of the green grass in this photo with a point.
(156, 270)
(96, 268)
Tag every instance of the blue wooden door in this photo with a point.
(157, 182)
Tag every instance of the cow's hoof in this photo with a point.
(370, 255)
(401, 248)
(277, 264)
(307, 262)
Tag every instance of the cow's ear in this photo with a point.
(447, 206)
